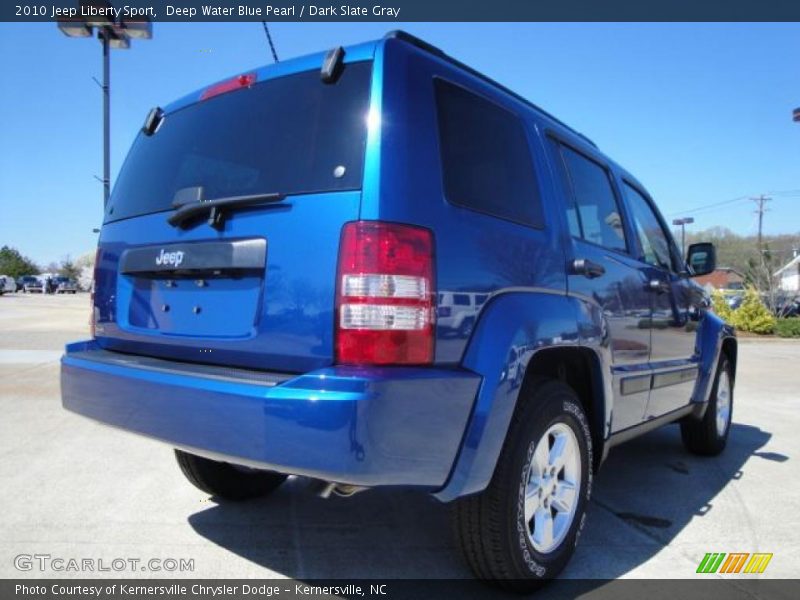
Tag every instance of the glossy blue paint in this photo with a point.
(440, 427)
(513, 328)
(388, 426)
(712, 333)
(281, 320)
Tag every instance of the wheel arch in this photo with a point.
(544, 330)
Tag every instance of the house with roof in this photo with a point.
(722, 278)
(789, 275)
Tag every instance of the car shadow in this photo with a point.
(649, 488)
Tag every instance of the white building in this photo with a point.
(789, 275)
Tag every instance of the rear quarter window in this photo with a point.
(486, 159)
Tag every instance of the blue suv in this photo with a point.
(278, 249)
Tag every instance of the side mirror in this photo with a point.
(702, 258)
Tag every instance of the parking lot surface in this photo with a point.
(72, 488)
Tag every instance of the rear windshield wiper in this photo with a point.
(188, 210)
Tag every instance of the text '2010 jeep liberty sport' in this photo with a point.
(266, 292)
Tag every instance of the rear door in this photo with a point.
(674, 324)
(599, 241)
(258, 289)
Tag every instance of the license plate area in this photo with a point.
(202, 290)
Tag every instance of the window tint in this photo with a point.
(293, 134)
(594, 214)
(461, 300)
(486, 160)
(654, 241)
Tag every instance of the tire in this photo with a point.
(225, 480)
(709, 436)
(491, 528)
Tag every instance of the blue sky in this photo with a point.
(700, 113)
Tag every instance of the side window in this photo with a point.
(654, 240)
(486, 159)
(594, 215)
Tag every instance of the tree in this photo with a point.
(85, 267)
(13, 264)
(741, 252)
(752, 315)
(720, 306)
(69, 268)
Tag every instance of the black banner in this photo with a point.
(407, 10)
(742, 587)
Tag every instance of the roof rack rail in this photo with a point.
(404, 36)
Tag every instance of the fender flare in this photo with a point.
(513, 326)
(713, 335)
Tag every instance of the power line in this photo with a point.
(709, 206)
(269, 41)
(782, 193)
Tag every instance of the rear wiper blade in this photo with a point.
(186, 211)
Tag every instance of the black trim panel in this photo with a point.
(647, 426)
(172, 367)
(195, 257)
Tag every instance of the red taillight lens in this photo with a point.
(385, 292)
(238, 82)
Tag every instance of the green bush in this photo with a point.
(720, 306)
(788, 327)
(752, 315)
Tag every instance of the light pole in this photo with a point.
(112, 34)
(683, 223)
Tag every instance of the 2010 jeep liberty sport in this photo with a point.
(270, 299)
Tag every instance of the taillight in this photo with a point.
(385, 295)
(238, 82)
(92, 313)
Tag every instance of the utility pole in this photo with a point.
(113, 34)
(761, 201)
(683, 223)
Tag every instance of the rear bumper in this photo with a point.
(362, 426)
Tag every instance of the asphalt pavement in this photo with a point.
(71, 488)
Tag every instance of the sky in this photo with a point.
(700, 113)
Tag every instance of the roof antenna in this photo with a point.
(269, 39)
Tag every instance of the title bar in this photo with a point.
(409, 10)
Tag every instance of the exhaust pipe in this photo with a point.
(324, 489)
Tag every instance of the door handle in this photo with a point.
(587, 268)
(658, 286)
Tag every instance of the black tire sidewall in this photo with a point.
(556, 404)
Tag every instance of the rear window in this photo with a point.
(291, 135)
(486, 159)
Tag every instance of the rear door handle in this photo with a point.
(658, 286)
(587, 268)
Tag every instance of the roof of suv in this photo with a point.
(356, 53)
(366, 51)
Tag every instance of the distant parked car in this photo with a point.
(64, 285)
(735, 301)
(787, 305)
(7, 285)
(457, 311)
(30, 285)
